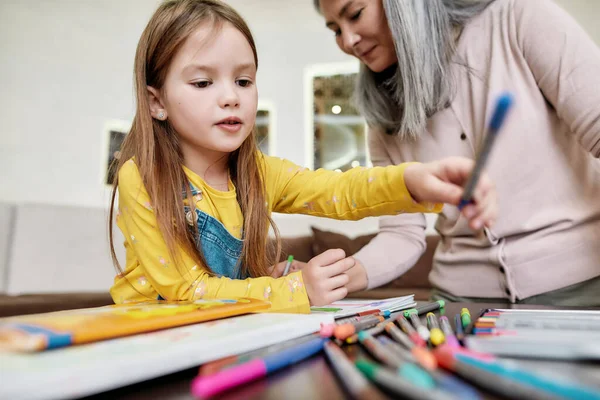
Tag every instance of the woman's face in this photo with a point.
(361, 30)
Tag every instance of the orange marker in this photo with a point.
(421, 354)
(344, 331)
(370, 312)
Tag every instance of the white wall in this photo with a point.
(67, 68)
(586, 12)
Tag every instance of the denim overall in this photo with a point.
(221, 250)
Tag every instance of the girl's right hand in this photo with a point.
(325, 278)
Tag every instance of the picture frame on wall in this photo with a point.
(265, 127)
(114, 134)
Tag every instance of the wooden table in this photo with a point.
(314, 379)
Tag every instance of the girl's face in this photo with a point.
(210, 94)
(361, 30)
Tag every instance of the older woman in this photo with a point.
(431, 72)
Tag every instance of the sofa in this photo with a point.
(56, 257)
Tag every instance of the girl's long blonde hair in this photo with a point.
(154, 144)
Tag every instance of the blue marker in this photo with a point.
(460, 332)
(502, 107)
(455, 386)
(551, 386)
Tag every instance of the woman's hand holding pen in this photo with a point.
(443, 181)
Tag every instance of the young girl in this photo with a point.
(195, 194)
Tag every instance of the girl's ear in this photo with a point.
(156, 106)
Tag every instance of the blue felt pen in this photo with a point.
(551, 386)
(502, 107)
(454, 385)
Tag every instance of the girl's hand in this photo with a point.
(324, 277)
(277, 269)
(442, 182)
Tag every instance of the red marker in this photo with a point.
(410, 331)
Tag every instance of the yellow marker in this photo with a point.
(436, 335)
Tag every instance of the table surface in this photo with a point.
(314, 379)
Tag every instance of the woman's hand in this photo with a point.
(442, 182)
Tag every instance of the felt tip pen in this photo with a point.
(378, 351)
(554, 387)
(409, 382)
(325, 309)
(352, 379)
(395, 348)
(376, 330)
(421, 329)
(424, 309)
(413, 335)
(436, 336)
(448, 332)
(210, 385)
(344, 331)
(290, 260)
(421, 354)
(503, 105)
(465, 317)
(328, 330)
(460, 331)
(454, 385)
(503, 385)
(217, 365)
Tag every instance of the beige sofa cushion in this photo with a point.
(61, 249)
(7, 212)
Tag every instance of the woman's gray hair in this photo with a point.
(424, 31)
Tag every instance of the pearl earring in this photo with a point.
(161, 115)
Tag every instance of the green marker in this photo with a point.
(325, 309)
(288, 265)
(424, 309)
(408, 381)
(465, 317)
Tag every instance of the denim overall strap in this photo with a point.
(221, 250)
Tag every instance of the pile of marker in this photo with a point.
(412, 359)
(412, 362)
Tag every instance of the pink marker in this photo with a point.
(448, 332)
(213, 384)
(327, 330)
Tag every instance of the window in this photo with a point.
(265, 127)
(337, 131)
